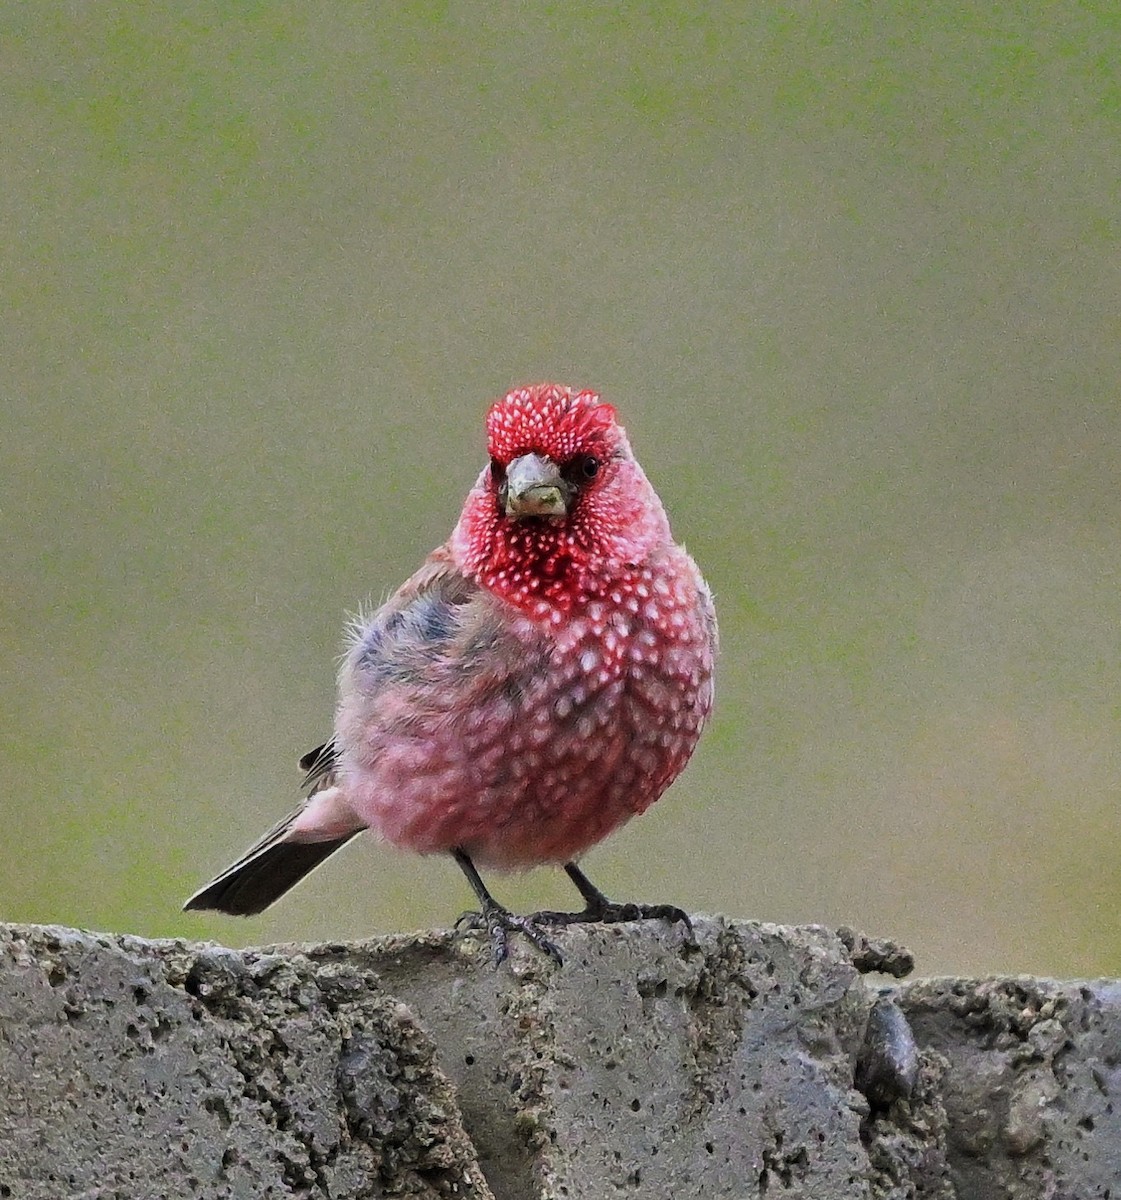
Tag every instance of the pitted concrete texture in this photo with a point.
(1032, 1083)
(135, 1070)
(651, 1067)
(755, 1062)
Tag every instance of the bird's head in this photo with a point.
(562, 500)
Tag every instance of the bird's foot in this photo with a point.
(598, 909)
(500, 922)
(601, 910)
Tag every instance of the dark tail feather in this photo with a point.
(264, 873)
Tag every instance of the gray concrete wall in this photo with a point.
(759, 1062)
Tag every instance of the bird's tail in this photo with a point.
(266, 871)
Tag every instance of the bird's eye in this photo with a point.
(581, 469)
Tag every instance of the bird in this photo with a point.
(541, 679)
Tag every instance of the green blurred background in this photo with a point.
(851, 274)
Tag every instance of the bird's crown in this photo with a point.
(548, 418)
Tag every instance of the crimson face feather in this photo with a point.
(614, 518)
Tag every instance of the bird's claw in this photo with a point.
(608, 912)
(499, 923)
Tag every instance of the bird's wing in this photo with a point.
(438, 646)
(318, 766)
(437, 643)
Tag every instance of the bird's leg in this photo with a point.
(597, 907)
(499, 921)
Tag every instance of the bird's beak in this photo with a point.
(534, 487)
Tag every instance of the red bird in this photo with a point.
(541, 679)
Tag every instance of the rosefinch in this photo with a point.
(541, 679)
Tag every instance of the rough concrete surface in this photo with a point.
(139, 1069)
(647, 1066)
(754, 1062)
(1032, 1084)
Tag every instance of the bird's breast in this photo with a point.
(552, 734)
(637, 663)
